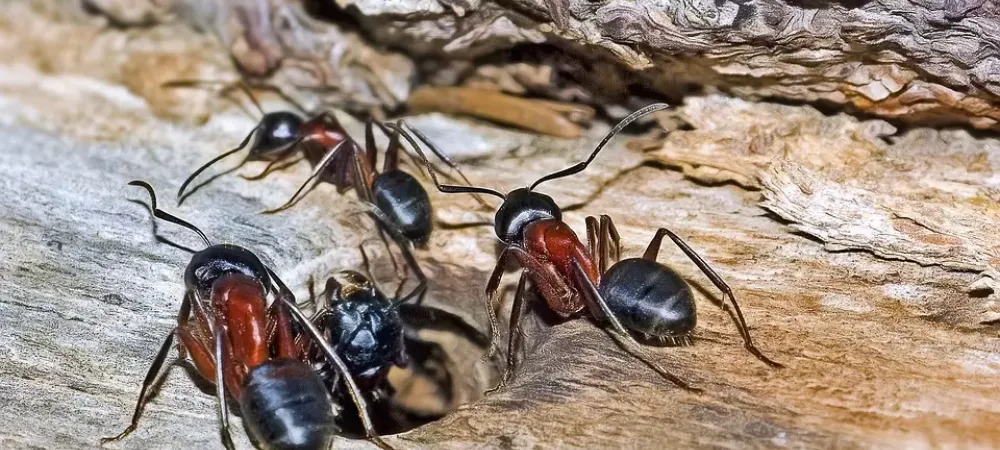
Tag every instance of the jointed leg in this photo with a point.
(220, 388)
(285, 295)
(609, 230)
(397, 236)
(491, 295)
(404, 129)
(151, 375)
(653, 250)
(617, 331)
(317, 171)
(592, 238)
(514, 334)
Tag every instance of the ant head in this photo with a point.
(364, 326)
(521, 207)
(216, 261)
(277, 130)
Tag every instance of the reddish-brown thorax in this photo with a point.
(554, 242)
(240, 302)
(239, 308)
(319, 131)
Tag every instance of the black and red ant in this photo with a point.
(638, 294)
(401, 206)
(251, 351)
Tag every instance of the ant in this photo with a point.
(280, 134)
(401, 206)
(249, 350)
(374, 333)
(638, 294)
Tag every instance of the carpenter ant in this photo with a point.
(249, 349)
(280, 134)
(401, 205)
(374, 333)
(636, 294)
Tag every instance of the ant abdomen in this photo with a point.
(401, 197)
(649, 297)
(285, 405)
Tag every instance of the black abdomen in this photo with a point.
(286, 406)
(404, 200)
(649, 297)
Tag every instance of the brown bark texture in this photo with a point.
(864, 252)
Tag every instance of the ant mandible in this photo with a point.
(637, 294)
(249, 349)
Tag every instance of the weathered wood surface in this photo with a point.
(864, 257)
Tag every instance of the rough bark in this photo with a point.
(910, 60)
(864, 257)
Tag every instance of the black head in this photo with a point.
(364, 327)
(276, 131)
(521, 207)
(218, 260)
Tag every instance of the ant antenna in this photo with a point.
(163, 215)
(446, 188)
(190, 178)
(578, 167)
(226, 85)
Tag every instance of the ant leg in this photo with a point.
(404, 130)
(653, 250)
(317, 171)
(592, 238)
(491, 312)
(612, 232)
(220, 391)
(385, 223)
(226, 87)
(198, 171)
(274, 166)
(617, 331)
(366, 261)
(151, 375)
(436, 151)
(433, 318)
(392, 257)
(285, 295)
(514, 333)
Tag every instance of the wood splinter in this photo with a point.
(543, 116)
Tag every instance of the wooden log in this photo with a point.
(862, 255)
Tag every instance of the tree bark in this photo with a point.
(864, 255)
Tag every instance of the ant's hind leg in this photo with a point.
(727, 292)
(514, 334)
(617, 331)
